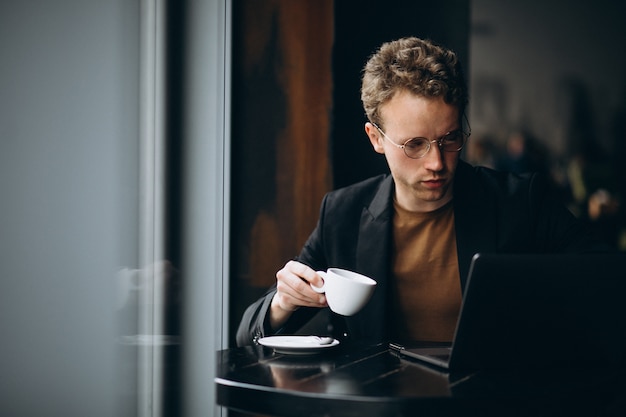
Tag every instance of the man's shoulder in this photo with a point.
(486, 178)
(375, 190)
(368, 185)
(485, 187)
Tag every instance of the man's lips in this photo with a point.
(435, 183)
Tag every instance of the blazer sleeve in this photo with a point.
(255, 320)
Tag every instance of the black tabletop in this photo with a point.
(372, 380)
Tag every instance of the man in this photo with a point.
(416, 230)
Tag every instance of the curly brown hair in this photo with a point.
(416, 65)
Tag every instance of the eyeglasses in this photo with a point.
(418, 147)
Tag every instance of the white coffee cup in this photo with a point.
(346, 291)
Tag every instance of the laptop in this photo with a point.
(536, 311)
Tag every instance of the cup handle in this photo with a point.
(321, 289)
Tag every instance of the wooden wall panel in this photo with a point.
(282, 94)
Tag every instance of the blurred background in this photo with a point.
(161, 160)
(548, 94)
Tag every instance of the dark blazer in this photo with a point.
(493, 212)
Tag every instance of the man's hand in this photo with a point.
(293, 284)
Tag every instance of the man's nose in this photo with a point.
(433, 160)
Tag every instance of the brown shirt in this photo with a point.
(426, 289)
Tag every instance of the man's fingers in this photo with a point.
(304, 272)
(293, 290)
(299, 291)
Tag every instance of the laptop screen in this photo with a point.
(542, 310)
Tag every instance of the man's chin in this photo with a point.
(437, 197)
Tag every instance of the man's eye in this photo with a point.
(416, 144)
(453, 137)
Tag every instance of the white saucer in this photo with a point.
(296, 345)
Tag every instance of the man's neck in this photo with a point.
(409, 202)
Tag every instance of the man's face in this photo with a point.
(423, 184)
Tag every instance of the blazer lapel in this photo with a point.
(474, 219)
(373, 258)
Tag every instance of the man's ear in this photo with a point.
(375, 137)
